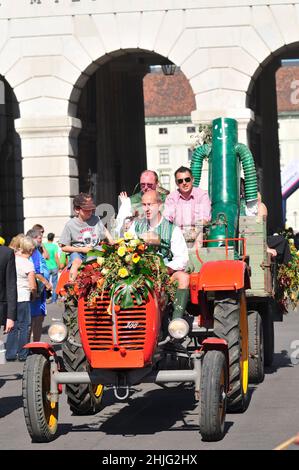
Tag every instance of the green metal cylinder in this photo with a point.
(224, 180)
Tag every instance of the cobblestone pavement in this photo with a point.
(157, 418)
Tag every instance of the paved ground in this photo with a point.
(155, 418)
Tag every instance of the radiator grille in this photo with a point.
(128, 332)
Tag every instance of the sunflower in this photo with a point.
(123, 272)
(135, 258)
(128, 236)
(121, 251)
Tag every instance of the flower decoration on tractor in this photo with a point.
(288, 279)
(127, 270)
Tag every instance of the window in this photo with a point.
(190, 152)
(191, 130)
(163, 130)
(164, 156)
(165, 180)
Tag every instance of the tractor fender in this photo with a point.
(226, 275)
(218, 344)
(46, 350)
(41, 348)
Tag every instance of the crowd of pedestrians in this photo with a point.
(29, 272)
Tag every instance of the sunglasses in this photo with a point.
(147, 185)
(181, 180)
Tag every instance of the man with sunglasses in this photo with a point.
(131, 207)
(187, 206)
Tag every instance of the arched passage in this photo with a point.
(111, 144)
(11, 192)
(263, 132)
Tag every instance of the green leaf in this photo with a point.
(138, 298)
(149, 283)
(146, 271)
(127, 300)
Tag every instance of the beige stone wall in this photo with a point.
(49, 48)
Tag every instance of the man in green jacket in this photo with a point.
(131, 207)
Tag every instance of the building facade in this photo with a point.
(72, 109)
(171, 135)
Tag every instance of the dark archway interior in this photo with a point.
(111, 145)
(263, 132)
(11, 191)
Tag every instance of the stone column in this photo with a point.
(50, 169)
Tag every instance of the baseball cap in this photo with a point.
(84, 201)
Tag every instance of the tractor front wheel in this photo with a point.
(83, 399)
(213, 396)
(41, 414)
(231, 324)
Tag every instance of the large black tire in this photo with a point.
(213, 388)
(83, 399)
(256, 347)
(268, 331)
(231, 324)
(41, 415)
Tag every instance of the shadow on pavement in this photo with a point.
(280, 360)
(3, 380)
(10, 404)
(141, 415)
(251, 389)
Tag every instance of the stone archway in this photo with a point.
(11, 192)
(111, 144)
(263, 133)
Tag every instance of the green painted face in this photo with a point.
(224, 131)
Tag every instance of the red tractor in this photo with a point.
(138, 345)
(108, 346)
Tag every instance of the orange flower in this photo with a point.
(100, 282)
(141, 247)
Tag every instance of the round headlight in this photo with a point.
(178, 328)
(57, 332)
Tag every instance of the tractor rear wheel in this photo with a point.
(256, 347)
(213, 388)
(41, 414)
(231, 324)
(83, 399)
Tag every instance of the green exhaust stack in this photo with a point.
(225, 156)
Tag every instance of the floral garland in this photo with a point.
(128, 270)
(288, 278)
